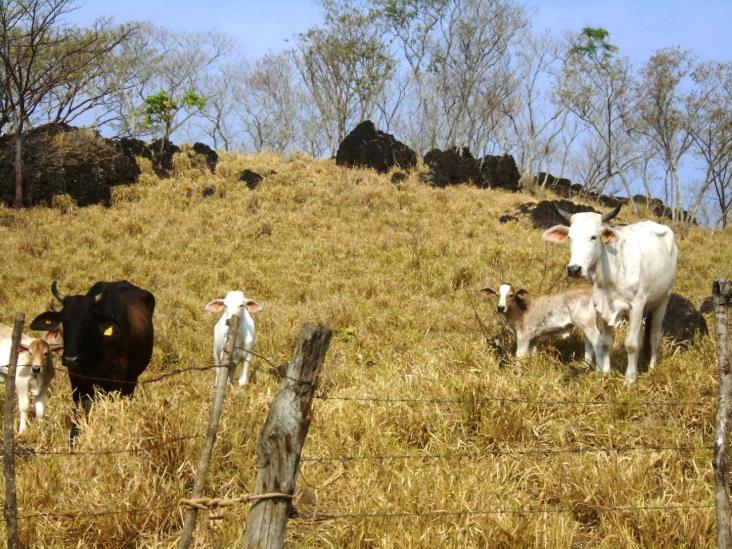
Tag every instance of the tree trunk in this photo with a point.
(18, 169)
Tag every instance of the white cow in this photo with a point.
(632, 269)
(34, 371)
(234, 303)
(534, 316)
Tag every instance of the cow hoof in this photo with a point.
(630, 380)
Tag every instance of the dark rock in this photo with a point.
(681, 322)
(208, 191)
(505, 218)
(162, 159)
(544, 216)
(252, 179)
(398, 177)
(499, 172)
(367, 147)
(61, 159)
(212, 157)
(559, 185)
(451, 167)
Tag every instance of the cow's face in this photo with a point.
(41, 352)
(231, 304)
(586, 235)
(78, 319)
(508, 298)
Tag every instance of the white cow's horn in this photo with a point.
(565, 214)
(611, 214)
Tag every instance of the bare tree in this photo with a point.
(44, 60)
(538, 122)
(344, 65)
(711, 130)
(661, 116)
(458, 58)
(272, 104)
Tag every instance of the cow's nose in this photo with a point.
(36, 369)
(574, 270)
(70, 360)
(500, 308)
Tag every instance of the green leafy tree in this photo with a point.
(161, 109)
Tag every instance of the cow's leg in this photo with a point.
(591, 336)
(23, 404)
(40, 404)
(632, 341)
(589, 351)
(603, 346)
(656, 331)
(83, 397)
(247, 354)
(523, 346)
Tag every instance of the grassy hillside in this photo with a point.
(395, 271)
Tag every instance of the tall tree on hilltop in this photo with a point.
(595, 87)
(661, 116)
(344, 65)
(47, 65)
(711, 130)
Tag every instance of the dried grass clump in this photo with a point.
(396, 272)
(64, 203)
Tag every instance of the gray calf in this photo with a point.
(533, 316)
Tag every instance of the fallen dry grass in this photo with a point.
(395, 271)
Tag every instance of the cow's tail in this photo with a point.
(667, 235)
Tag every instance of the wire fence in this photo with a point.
(682, 450)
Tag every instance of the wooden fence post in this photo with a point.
(11, 505)
(722, 291)
(282, 438)
(217, 406)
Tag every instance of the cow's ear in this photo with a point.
(56, 349)
(46, 322)
(22, 348)
(558, 234)
(215, 306)
(608, 235)
(53, 337)
(488, 291)
(253, 306)
(521, 293)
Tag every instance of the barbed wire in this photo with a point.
(28, 452)
(160, 377)
(86, 513)
(528, 511)
(516, 400)
(209, 503)
(484, 454)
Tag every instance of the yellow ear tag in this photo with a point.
(108, 331)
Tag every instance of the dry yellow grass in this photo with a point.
(394, 271)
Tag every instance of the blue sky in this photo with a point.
(638, 28)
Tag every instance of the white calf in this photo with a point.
(34, 372)
(235, 303)
(533, 316)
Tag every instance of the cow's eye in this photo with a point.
(593, 237)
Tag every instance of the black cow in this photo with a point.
(108, 337)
